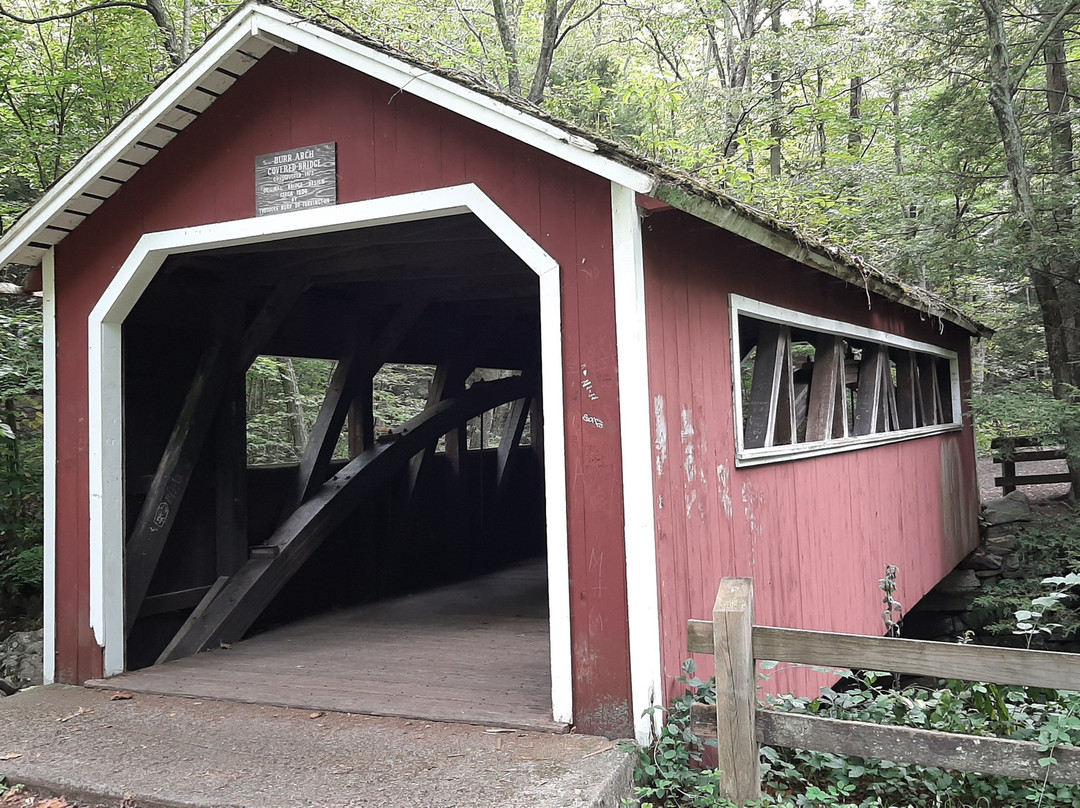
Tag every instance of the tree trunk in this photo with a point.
(507, 23)
(775, 126)
(549, 40)
(291, 388)
(1058, 295)
(854, 140)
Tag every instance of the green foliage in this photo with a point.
(1046, 547)
(1023, 407)
(21, 498)
(283, 399)
(670, 774)
(284, 395)
(1046, 717)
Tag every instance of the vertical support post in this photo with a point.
(736, 696)
(230, 446)
(1008, 466)
(362, 417)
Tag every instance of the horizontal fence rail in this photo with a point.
(1010, 451)
(1004, 666)
(739, 725)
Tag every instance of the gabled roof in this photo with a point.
(255, 28)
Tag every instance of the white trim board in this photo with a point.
(106, 400)
(48, 406)
(778, 314)
(642, 586)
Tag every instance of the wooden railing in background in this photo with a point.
(741, 724)
(1010, 451)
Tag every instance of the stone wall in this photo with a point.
(21, 656)
(947, 613)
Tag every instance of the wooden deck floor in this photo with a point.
(474, 652)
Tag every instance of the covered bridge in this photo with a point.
(689, 389)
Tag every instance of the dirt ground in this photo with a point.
(1043, 497)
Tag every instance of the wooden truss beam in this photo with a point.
(362, 417)
(827, 413)
(930, 391)
(358, 363)
(230, 488)
(247, 593)
(875, 404)
(771, 411)
(511, 437)
(448, 382)
(908, 401)
(220, 361)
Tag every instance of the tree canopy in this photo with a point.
(933, 138)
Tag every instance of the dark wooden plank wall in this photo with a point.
(388, 143)
(814, 533)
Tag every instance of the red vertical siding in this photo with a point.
(814, 533)
(388, 143)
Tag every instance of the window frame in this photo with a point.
(759, 310)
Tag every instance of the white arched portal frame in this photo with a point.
(106, 399)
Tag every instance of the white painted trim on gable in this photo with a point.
(455, 97)
(287, 32)
(642, 586)
(48, 409)
(772, 454)
(124, 135)
(106, 401)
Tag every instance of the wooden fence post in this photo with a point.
(736, 693)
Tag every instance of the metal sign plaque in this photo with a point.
(296, 179)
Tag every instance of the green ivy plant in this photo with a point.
(671, 773)
(1045, 548)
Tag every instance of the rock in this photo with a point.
(1002, 545)
(980, 560)
(935, 601)
(999, 531)
(1010, 567)
(958, 582)
(1014, 507)
(933, 624)
(21, 657)
(988, 577)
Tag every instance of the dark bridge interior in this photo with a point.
(216, 548)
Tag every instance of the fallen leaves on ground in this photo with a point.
(80, 711)
(123, 695)
(11, 756)
(19, 798)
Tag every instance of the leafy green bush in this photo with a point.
(670, 773)
(1045, 548)
(1029, 714)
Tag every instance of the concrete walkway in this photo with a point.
(172, 751)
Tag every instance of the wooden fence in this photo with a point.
(1010, 451)
(740, 724)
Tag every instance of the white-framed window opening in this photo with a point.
(807, 385)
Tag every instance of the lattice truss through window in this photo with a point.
(799, 385)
